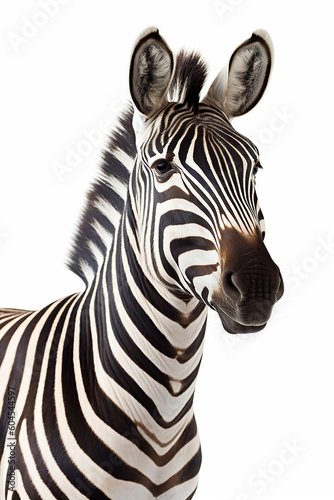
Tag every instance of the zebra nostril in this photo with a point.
(230, 288)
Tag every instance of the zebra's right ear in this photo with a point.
(151, 71)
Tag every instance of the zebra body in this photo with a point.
(103, 380)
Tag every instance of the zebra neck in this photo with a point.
(148, 349)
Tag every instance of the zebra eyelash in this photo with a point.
(256, 168)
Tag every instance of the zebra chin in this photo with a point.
(256, 321)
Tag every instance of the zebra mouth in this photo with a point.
(233, 326)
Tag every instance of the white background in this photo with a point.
(256, 395)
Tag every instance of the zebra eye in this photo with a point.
(163, 169)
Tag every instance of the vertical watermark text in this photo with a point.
(11, 438)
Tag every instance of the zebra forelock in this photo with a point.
(188, 80)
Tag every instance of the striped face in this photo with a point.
(198, 210)
(200, 227)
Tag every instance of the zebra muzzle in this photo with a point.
(251, 284)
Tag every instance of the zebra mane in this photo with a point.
(188, 80)
(105, 200)
(106, 197)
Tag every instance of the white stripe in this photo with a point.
(123, 158)
(108, 210)
(36, 479)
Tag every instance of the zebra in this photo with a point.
(97, 388)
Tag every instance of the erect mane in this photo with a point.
(106, 198)
(188, 80)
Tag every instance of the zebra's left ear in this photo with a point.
(241, 84)
(150, 72)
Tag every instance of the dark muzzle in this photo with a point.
(251, 285)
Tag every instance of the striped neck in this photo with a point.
(145, 348)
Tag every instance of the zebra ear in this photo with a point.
(240, 85)
(150, 72)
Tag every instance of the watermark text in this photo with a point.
(11, 438)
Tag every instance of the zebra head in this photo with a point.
(199, 225)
